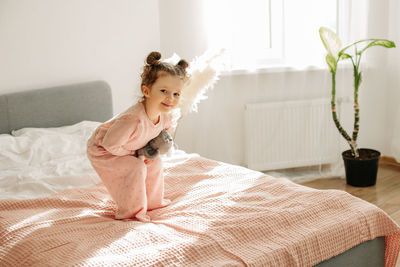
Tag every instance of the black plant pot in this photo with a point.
(361, 172)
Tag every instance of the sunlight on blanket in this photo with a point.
(34, 223)
(149, 240)
(87, 213)
(32, 220)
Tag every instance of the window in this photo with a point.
(258, 33)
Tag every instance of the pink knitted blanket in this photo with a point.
(220, 215)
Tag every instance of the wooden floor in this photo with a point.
(385, 194)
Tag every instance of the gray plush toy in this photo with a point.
(159, 145)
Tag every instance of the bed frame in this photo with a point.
(56, 106)
(69, 104)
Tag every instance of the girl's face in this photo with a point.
(163, 95)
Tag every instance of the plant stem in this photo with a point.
(334, 114)
(352, 144)
(357, 81)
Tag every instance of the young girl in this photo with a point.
(136, 185)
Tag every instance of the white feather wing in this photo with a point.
(203, 74)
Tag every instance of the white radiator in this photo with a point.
(290, 134)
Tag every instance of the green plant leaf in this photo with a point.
(331, 41)
(332, 62)
(380, 42)
(344, 56)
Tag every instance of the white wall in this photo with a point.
(374, 86)
(181, 29)
(381, 91)
(393, 90)
(55, 42)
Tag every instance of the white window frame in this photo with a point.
(275, 55)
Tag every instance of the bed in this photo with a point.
(54, 210)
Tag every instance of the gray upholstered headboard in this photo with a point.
(56, 106)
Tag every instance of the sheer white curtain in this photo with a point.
(217, 131)
(393, 112)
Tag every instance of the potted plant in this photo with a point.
(361, 164)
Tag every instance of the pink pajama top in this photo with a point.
(127, 132)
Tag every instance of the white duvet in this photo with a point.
(37, 162)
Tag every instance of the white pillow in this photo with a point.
(39, 145)
(36, 162)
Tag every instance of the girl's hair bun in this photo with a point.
(154, 66)
(183, 64)
(153, 58)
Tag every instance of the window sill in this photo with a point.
(282, 69)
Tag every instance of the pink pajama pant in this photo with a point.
(135, 186)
